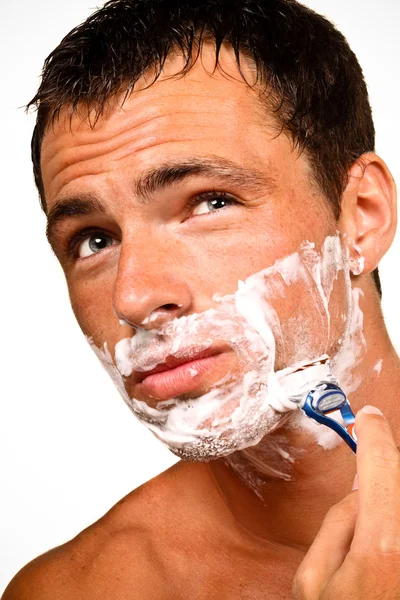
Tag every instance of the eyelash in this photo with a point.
(74, 241)
(204, 196)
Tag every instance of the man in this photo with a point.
(180, 149)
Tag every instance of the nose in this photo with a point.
(150, 288)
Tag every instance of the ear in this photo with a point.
(368, 211)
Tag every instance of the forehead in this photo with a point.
(207, 112)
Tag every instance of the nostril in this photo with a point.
(170, 307)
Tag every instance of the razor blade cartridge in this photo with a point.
(320, 405)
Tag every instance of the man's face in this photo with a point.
(177, 196)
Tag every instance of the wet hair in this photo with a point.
(311, 78)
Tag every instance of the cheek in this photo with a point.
(264, 235)
(340, 312)
(91, 303)
(212, 262)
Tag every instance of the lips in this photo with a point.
(172, 362)
(177, 376)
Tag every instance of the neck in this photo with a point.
(280, 490)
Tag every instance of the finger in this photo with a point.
(328, 551)
(378, 468)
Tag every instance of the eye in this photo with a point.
(93, 244)
(213, 204)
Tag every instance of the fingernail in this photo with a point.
(371, 410)
(355, 484)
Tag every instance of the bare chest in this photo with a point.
(237, 576)
(180, 571)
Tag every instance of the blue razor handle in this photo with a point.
(325, 399)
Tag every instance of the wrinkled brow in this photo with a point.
(161, 177)
(216, 167)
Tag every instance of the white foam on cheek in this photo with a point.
(378, 366)
(325, 437)
(352, 348)
(106, 360)
(244, 406)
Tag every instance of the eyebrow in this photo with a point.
(217, 167)
(157, 179)
(70, 207)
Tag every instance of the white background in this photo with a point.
(69, 447)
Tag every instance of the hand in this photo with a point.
(356, 554)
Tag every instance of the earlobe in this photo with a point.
(368, 218)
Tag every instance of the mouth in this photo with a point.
(178, 376)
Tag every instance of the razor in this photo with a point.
(313, 388)
(326, 399)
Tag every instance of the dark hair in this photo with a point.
(317, 86)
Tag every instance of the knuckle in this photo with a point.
(385, 456)
(297, 591)
(304, 583)
(389, 549)
(379, 562)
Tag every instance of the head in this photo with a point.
(180, 149)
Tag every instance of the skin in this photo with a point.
(196, 530)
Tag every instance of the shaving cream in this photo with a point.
(277, 319)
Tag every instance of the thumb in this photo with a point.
(328, 551)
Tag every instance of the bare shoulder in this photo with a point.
(121, 555)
